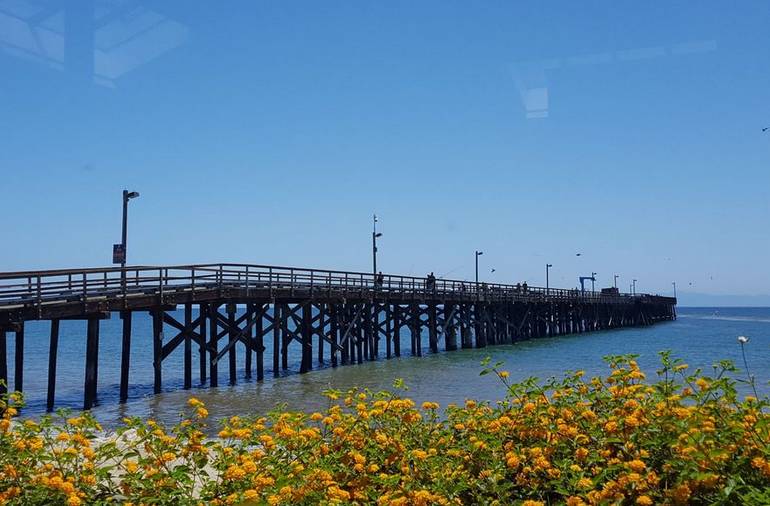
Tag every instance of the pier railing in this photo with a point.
(37, 288)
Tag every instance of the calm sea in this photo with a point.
(701, 336)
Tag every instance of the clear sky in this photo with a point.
(269, 132)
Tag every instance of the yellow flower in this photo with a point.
(193, 402)
(644, 500)
(504, 374)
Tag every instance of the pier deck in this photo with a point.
(342, 317)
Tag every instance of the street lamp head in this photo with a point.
(549, 265)
(378, 234)
(479, 253)
(131, 195)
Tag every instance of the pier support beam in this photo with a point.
(18, 371)
(52, 353)
(187, 347)
(157, 348)
(3, 362)
(276, 339)
(231, 343)
(92, 363)
(306, 338)
(125, 355)
(202, 343)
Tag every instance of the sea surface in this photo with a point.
(700, 336)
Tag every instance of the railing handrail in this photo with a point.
(31, 286)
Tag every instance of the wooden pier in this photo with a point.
(331, 317)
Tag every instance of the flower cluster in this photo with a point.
(686, 438)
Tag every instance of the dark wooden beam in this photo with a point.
(125, 355)
(188, 324)
(18, 372)
(52, 352)
(213, 344)
(157, 347)
(202, 343)
(276, 338)
(3, 362)
(92, 363)
(232, 338)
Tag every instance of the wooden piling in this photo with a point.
(202, 343)
(285, 337)
(157, 342)
(306, 339)
(187, 346)
(18, 371)
(213, 315)
(231, 342)
(92, 363)
(334, 329)
(249, 339)
(3, 362)
(125, 355)
(52, 352)
(388, 330)
(321, 332)
(259, 342)
(367, 329)
(397, 330)
(276, 339)
(432, 330)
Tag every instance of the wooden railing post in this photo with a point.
(39, 297)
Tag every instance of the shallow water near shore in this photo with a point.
(701, 336)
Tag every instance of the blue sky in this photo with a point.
(269, 132)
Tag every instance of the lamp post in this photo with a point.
(127, 195)
(633, 289)
(375, 235)
(593, 280)
(674, 285)
(616, 280)
(547, 282)
(478, 254)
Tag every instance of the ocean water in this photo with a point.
(701, 336)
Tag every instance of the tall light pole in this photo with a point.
(127, 195)
(616, 280)
(674, 284)
(478, 254)
(547, 281)
(375, 235)
(593, 280)
(633, 289)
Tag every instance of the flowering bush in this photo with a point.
(686, 438)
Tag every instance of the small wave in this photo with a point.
(756, 319)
